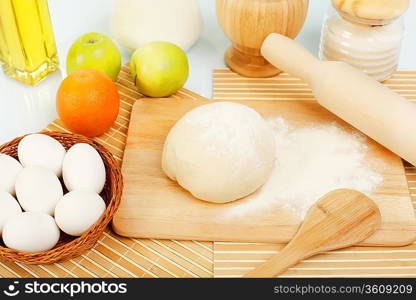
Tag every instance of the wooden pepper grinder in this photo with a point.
(248, 22)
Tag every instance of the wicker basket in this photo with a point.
(69, 247)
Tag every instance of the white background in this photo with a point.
(29, 109)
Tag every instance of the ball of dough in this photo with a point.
(220, 152)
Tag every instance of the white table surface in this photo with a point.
(29, 109)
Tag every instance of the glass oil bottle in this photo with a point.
(27, 45)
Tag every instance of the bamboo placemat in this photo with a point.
(115, 256)
(235, 259)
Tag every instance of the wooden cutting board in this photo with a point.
(153, 206)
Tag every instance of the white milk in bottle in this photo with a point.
(137, 22)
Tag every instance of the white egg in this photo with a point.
(83, 169)
(77, 211)
(9, 207)
(38, 190)
(43, 151)
(31, 232)
(9, 168)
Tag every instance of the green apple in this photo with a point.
(94, 51)
(159, 69)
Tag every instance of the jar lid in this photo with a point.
(371, 12)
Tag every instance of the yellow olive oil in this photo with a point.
(27, 44)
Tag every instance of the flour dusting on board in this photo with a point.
(311, 162)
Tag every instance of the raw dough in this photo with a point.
(220, 152)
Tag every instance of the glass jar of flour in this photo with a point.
(366, 34)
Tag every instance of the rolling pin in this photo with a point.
(350, 94)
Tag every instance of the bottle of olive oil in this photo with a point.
(27, 44)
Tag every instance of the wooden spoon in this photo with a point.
(339, 219)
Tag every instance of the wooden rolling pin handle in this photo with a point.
(279, 263)
(350, 94)
(289, 51)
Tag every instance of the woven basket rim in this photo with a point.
(88, 239)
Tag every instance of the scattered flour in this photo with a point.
(311, 162)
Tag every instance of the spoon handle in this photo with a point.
(278, 263)
(339, 219)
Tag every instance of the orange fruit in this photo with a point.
(87, 102)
